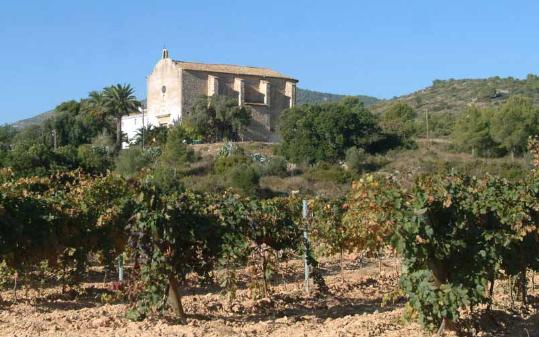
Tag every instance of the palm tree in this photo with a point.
(96, 104)
(154, 135)
(120, 101)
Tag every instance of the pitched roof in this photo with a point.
(231, 69)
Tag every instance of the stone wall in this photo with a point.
(265, 116)
(194, 86)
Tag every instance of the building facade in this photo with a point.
(175, 86)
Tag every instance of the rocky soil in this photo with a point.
(364, 301)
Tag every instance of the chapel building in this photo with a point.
(174, 87)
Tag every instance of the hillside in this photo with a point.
(450, 96)
(36, 120)
(304, 96)
(453, 96)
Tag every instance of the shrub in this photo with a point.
(355, 158)
(168, 179)
(210, 183)
(231, 149)
(65, 158)
(33, 159)
(225, 163)
(176, 153)
(275, 166)
(245, 178)
(132, 160)
(93, 159)
(328, 172)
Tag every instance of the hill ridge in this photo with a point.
(304, 96)
(454, 95)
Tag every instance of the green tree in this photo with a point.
(514, 123)
(176, 152)
(7, 133)
(120, 101)
(218, 117)
(76, 123)
(30, 160)
(399, 119)
(472, 132)
(173, 163)
(65, 126)
(323, 132)
(33, 134)
(30, 153)
(440, 124)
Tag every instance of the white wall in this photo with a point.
(164, 92)
(132, 123)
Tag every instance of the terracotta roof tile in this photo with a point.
(231, 69)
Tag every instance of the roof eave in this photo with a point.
(179, 65)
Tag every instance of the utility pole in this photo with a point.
(54, 139)
(427, 121)
(141, 109)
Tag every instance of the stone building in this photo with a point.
(174, 86)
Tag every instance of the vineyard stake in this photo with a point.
(121, 268)
(306, 239)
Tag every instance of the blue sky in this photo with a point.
(53, 51)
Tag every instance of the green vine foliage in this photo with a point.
(59, 221)
(459, 229)
(171, 236)
(29, 228)
(454, 234)
(327, 229)
(374, 207)
(463, 229)
(260, 234)
(272, 227)
(327, 233)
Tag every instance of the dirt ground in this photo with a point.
(356, 307)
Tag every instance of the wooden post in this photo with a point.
(121, 268)
(306, 239)
(427, 120)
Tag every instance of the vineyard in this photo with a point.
(442, 248)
